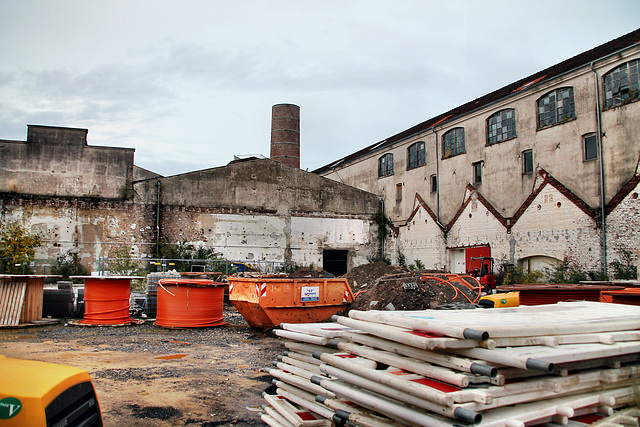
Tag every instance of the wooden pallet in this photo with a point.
(11, 302)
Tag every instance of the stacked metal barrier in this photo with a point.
(490, 367)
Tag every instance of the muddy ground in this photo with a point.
(145, 375)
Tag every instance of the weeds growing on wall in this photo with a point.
(568, 272)
(402, 261)
(565, 272)
(17, 249)
(417, 265)
(512, 275)
(181, 256)
(624, 268)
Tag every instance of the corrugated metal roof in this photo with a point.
(578, 61)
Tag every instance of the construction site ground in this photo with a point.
(146, 375)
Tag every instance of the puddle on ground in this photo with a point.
(171, 356)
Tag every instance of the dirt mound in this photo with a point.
(364, 275)
(418, 290)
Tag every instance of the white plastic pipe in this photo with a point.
(383, 405)
(456, 412)
(406, 363)
(390, 380)
(446, 360)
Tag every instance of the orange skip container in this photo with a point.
(267, 302)
(190, 303)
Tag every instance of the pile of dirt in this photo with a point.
(362, 276)
(416, 290)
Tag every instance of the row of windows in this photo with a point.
(555, 107)
(621, 85)
(589, 150)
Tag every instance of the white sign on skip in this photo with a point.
(310, 293)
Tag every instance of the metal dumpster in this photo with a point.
(266, 302)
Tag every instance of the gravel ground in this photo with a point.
(151, 376)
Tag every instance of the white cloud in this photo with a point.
(190, 84)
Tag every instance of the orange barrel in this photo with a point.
(190, 303)
(106, 300)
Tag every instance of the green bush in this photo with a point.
(68, 264)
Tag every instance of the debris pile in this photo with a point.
(416, 290)
(502, 367)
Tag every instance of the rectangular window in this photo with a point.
(477, 173)
(398, 193)
(434, 183)
(527, 161)
(590, 147)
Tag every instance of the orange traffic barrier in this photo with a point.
(190, 303)
(267, 302)
(107, 300)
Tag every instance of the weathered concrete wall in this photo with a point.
(93, 228)
(58, 162)
(252, 210)
(298, 240)
(261, 185)
(264, 210)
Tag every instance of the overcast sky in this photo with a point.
(189, 84)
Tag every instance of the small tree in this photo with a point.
(123, 265)
(68, 264)
(17, 248)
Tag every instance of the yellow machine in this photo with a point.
(45, 394)
(508, 299)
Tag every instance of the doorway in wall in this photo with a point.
(335, 261)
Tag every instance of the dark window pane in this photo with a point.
(590, 147)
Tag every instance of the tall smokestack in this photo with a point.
(285, 134)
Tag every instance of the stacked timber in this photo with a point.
(490, 367)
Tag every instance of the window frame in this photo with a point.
(510, 133)
(477, 172)
(385, 165)
(525, 154)
(434, 183)
(584, 147)
(457, 142)
(416, 155)
(631, 73)
(543, 120)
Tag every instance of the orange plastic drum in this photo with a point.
(190, 303)
(107, 300)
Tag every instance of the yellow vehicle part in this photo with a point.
(46, 394)
(508, 299)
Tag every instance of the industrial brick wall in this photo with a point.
(623, 229)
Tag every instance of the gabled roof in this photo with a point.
(578, 61)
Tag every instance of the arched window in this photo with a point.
(621, 85)
(385, 165)
(556, 107)
(501, 126)
(453, 143)
(415, 155)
